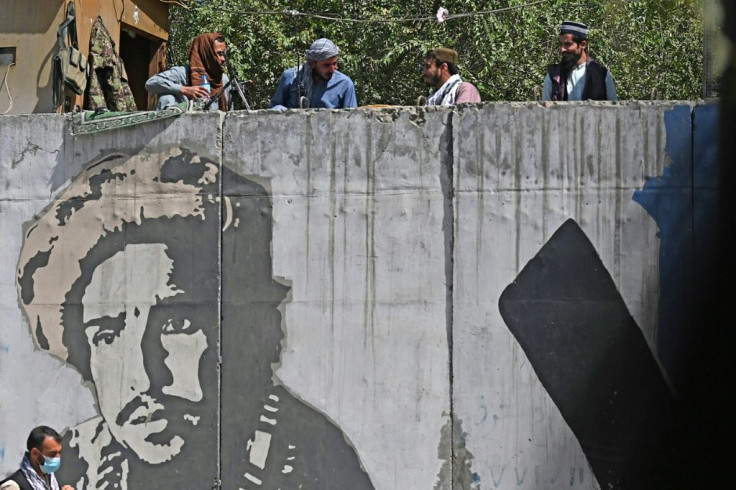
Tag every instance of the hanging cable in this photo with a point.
(176, 2)
(442, 15)
(5, 82)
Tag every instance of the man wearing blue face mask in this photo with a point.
(41, 460)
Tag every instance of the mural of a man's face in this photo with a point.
(152, 276)
(130, 298)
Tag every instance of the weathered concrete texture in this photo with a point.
(390, 235)
(521, 171)
(358, 212)
(29, 146)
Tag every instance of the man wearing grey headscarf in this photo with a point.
(317, 83)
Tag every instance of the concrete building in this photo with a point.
(28, 42)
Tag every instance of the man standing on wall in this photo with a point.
(317, 83)
(41, 460)
(180, 83)
(441, 72)
(577, 76)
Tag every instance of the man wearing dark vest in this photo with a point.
(577, 76)
(39, 463)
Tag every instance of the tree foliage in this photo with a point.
(654, 48)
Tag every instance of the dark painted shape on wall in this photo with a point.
(669, 200)
(268, 435)
(591, 357)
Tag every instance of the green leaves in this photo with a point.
(647, 44)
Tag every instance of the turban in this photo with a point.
(321, 49)
(203, 60)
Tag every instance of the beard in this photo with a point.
(319, 76)
(198, 440)
(433, 80)
(570, 61)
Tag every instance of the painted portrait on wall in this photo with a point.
(152, 275)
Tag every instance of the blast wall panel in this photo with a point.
(394, 298)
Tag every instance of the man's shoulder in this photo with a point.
(181, 72)
(553, 70)
(339, 78)
(9, 485)
(176, 69)
(14, 481)
(596, 65)
(174, 73)
(289, 74)
(467, 93)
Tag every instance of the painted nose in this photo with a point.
(135, 365)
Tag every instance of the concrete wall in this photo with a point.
(394, 298)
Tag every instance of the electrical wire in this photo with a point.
(335, 18)
(176, 2)
(5, 82)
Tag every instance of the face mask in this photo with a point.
(50, 465)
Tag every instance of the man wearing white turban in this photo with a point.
(317, 83)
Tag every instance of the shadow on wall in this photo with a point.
(15, 18)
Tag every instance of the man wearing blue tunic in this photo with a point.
(317, 83)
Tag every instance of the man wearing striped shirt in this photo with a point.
(441, 72)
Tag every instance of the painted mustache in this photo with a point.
(143, 409)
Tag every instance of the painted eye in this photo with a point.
(177, 325)
(105, 329)
(107, 336)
